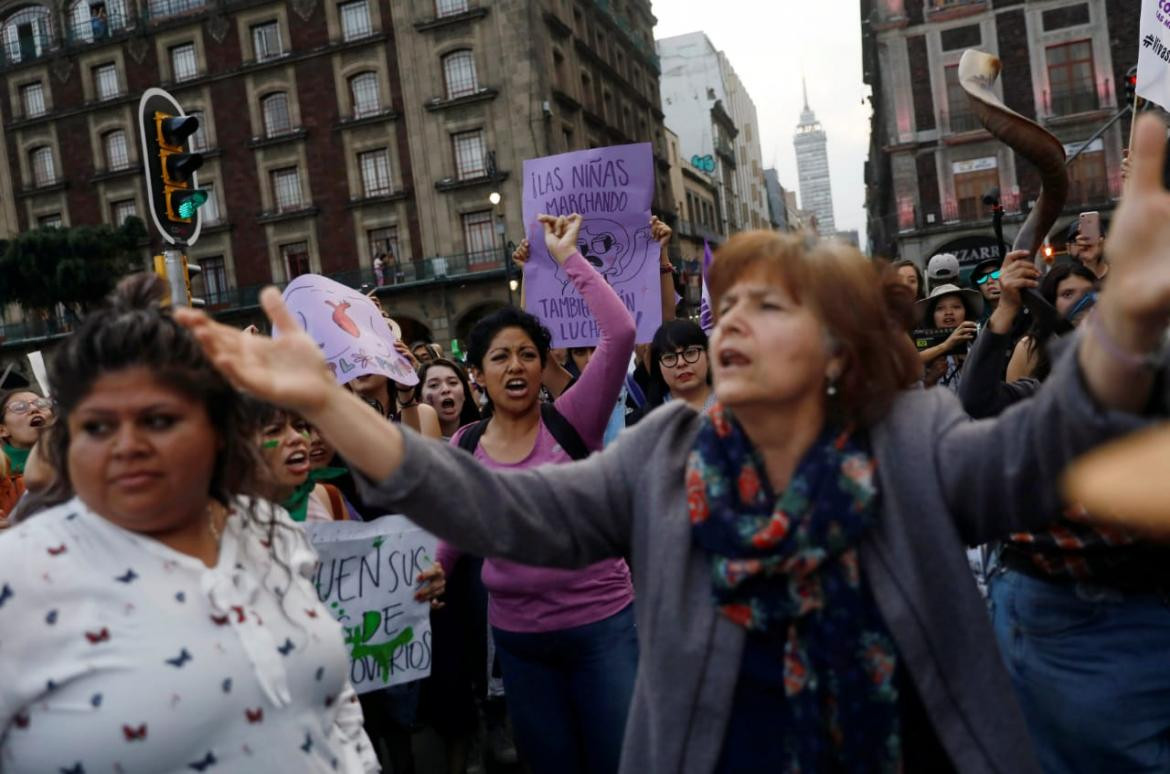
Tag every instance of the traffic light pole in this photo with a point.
(173, 259)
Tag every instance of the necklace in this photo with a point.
(211, 514)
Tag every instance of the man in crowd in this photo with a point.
(985, 279)
(943, 269)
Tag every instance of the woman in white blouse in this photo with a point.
(160, 621)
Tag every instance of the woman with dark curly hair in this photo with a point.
(160, 618)
(565, 639)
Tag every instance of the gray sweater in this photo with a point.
(946, 482)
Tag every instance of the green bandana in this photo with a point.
(297, 503)
(18, 457)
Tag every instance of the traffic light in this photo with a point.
(172, 188)
(192, 270)
(176, 271)
(181, 197)
(1130, 85)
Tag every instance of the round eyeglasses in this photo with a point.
(20, 407)
(689, 355)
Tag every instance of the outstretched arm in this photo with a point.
(983, 391)
(1003, 474)
(290, 371)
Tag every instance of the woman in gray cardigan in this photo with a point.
(803, 597)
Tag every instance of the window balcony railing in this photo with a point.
(36, 327)
(162, 9)
(27, 48)
(1081, 98)
(398, 271)
(697, 230)
(959, 122)
(39, 183)
(641, 44)
(97, 28)
(723, 148)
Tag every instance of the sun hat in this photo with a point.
(972, 302)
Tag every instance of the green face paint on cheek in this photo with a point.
(269, 445)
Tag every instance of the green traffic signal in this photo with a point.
(189, 202)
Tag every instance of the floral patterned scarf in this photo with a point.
(788, 565)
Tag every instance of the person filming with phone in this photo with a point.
(1086, 243)
(948, 308)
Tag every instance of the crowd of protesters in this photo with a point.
(745, 545)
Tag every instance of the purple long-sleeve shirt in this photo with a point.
(539, 599)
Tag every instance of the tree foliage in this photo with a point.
(76, 266)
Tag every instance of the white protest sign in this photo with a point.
(1153, 69)
(366, 579)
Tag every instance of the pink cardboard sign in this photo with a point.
(348, 328)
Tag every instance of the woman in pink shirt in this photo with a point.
(565, 638)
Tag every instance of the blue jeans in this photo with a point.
(569, 693)
(1091, 668)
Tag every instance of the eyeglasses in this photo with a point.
(689, 355)
(992, 276)
(20, 407)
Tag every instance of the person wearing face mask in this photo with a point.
(950, 308)
(444, 386)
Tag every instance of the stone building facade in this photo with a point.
(334, 132)
(931, 163)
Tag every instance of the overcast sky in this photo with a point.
(770, 43)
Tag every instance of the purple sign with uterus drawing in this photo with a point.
(348, 328)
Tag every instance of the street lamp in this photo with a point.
(494, 198)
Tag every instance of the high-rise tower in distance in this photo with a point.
(812, 163)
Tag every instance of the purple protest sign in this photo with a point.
(612, 189)
(348, 328)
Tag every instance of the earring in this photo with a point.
(831, 389)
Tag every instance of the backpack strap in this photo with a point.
(470, 438)
(336, 504)
(563, 432)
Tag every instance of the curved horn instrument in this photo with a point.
(977, 73)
